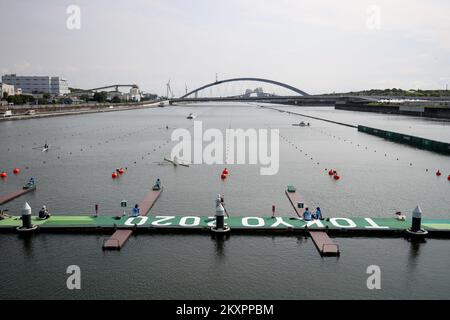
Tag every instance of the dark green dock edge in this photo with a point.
(418, 142)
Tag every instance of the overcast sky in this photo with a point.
(318, 46)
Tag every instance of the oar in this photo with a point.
(212, 219)
(225, 211)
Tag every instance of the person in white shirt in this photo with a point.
(399, 216)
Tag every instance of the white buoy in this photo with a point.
(416, 225)
(416, 219)
(26, 227)
(220, 217)
(26, 216)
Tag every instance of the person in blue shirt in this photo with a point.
(318, 214)
(307, 215)
(135, 212)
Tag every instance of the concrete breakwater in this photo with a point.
(20, 112)
(422, 111)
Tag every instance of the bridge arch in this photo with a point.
(281, 84)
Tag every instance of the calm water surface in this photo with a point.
(76, 173)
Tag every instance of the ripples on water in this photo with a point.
(76, 174)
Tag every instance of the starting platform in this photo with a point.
(14, 195)
(120, 237)
(319, 230)
(246, 225)
(322, 241)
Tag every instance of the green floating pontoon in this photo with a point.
(365, 226)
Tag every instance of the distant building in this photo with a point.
(135, 94)
(6, 88)
(149, 96)
(112, 94)
(38, 84)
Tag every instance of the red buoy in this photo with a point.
(121, 171)
(114, 175)
(336, 177)
(16, 171)
(3, 175)
(330, 172)
(438, 173)
(223, 176)
(225, 171)
(448, 178)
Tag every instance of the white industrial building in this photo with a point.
(38, 84)
(6, 88)
(135, 94)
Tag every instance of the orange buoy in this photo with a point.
(3, 175)
(223, 176)
(16, 171)
(114, 175)
(336, 177)
(438, 173)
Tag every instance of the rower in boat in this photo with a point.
(176, 162)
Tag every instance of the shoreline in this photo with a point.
(85, 110)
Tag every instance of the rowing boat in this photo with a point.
(176, 162)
